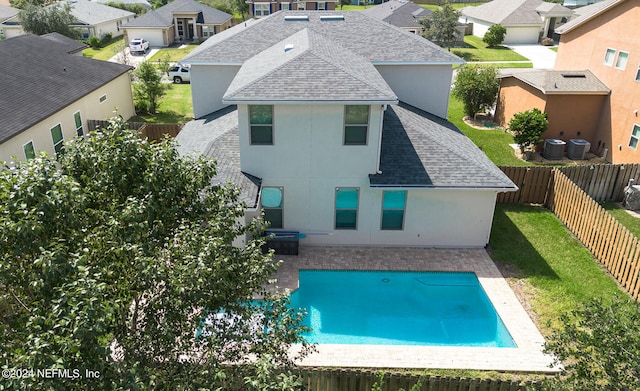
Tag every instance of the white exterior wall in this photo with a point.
(209, 83)
(526, 34)
(111, 27)
(426, 87)
(154, 36)
(118, 94)
(12, 31)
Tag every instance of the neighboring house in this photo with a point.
(68, 45)
(48, 94)
(178, 21)
(143, 3)
(526, 21)
(400, 13)
(578, 3)
(604, 42)
(91, 19)
(6, 12)
(341, 141)
(260, 8)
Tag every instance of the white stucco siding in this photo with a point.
(308, 142)
(423, 86)
(110, 27)
(480, 27)
(208, 85)
(118, 94)
(524, 34)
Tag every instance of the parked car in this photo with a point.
(138, 45)
(180, 73)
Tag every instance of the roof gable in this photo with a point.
(383, 44)
(282, 73)
(91, 13)
(7, 12)
(399, 13)
(561, 82)
(56, 79)
(163, 16)
(506, 12)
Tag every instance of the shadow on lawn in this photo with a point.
(510, 246)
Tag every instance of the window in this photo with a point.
(322, 5)
(638, 74)
(347, 207)
(285, 6)
(103, 98)
(29, 150)
(301, 6)
(609, 56)
(271, 201)
(393, 207)
(261, 124)
(78, 119)
(56, 135)
(635, 136)
(356, 124)
(180, 28)
(208, 31)
(261, 9)
(621, 63)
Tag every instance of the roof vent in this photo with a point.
(332, 17)
(574, 75)
(296, 17)
(288, 47)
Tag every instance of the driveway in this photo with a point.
(542, 57)
(132, 59)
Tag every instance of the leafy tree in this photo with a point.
(528, 128)
(138, 9)
(343, 3)
(239, 7)
(20, 4)
(39, 20)
(441, 27)
(599, 345)
(494, 35)
(148, 89)
(476, 87)
(118, 259)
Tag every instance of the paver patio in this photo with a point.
(527, 356)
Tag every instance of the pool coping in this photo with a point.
(528, 356)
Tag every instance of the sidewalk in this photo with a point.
(542, 57)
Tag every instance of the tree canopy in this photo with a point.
(441, 27)
(148, 88)
(528, 128)
(476, 87)
(118, 259)
(56, 18)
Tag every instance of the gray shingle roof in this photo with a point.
(55, 80)
(71, 46)
(587, 13)
(422, 150)
(216, 136)
(399, 13)
(163, 16)
(281, 73)
(363, 35)
(7, 12)
(560, 82)
(90, 13)
(506, 12)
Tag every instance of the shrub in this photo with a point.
(106, 39)
(495, 35)
(528, 127)
(94, 42)
(476, 87)
(546, 41)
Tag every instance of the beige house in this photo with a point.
(53, 104)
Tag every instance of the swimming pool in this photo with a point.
(398, 308)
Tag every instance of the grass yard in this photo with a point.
(475, 50)
(173, 54)
(106, 52)
(550, 265)
(623, 217)
(174, 107)
(455, 6)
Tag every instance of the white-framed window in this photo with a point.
(58, 139)
(347, 207)
(356, 124)
(285, 6)
(261, 9)
(103, 98)
(272, 200)
(621, 62)
(301, 6)
(208, 31)
(180, 25)
(635, 136)
(322, 5)
(609, 56)
(394, 203)
(261, 124)
(29, 150)
(78, 120)
(638, 74)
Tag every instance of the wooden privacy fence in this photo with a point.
(320, 379)
(153, 132)
(602, 182)
(608, 240)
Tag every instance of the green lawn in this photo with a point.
(476, 50)
(106, 52)
(557, 272)
(173, 54)
(623, 217)
(175, 107)
(455, 6)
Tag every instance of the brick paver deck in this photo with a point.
(527, 356)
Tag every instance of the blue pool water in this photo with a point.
(398, 308)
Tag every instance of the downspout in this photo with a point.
(384, 108)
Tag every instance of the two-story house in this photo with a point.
(261, 8)
(597, 71)
(341, 141)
